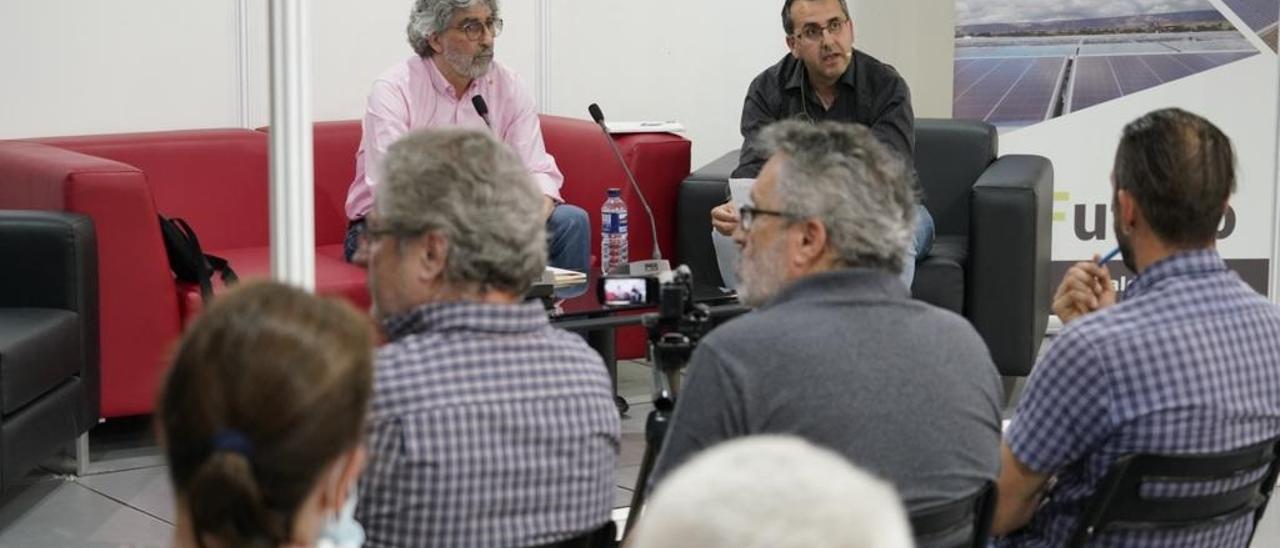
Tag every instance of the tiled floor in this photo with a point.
(125, 499)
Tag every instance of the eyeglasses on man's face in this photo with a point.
(747, 215)
(474, 30)
(814, 32)
(374, 230)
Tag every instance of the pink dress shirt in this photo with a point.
(414, 95)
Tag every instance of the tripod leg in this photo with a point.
(637, 496)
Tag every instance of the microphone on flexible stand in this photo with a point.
(655, 265)
(482, 109)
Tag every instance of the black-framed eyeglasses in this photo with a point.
(814, 33)
(747, 215)
(374, 231)
(475, 29)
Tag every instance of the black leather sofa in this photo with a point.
(990, 261)
(48, 338)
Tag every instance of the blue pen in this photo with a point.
(1110, 255)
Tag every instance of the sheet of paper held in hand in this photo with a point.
(726, 250)
(740, 190)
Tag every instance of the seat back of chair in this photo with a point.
(933, 524)
(1120, 502)
(216, 179)
(950, 155)
(335, 146)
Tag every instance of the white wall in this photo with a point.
(692, 61)
(917, 37)
(89, 66)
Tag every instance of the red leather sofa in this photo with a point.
(217, 179)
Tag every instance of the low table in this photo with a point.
(577, 308)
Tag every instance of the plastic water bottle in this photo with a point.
(613, 232)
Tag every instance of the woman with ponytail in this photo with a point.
(261, 417)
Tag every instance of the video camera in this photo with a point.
(679, 323)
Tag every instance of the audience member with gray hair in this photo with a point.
(772, 492)
(837, 352)
(488, 427)
(453, 42)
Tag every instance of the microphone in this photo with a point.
(482, 109)
(637, 268)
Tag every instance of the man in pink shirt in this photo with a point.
(454, 64)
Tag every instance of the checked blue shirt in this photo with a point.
(1187, 362)
(488, 428)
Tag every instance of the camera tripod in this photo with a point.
(673, 332)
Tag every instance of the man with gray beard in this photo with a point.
(454, 41)
(837, 352)
(488, 427)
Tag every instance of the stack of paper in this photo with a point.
(669, 126)
(562, 277)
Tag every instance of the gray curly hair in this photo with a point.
(429, 17)
(843, 176)
(473, 190)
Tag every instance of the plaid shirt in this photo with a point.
(1188, 362)
(488, 428)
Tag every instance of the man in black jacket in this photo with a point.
(825, 78)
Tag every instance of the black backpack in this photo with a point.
(188, 261)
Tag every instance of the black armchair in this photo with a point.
(48, 338)
(990, 261)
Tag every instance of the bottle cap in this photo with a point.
(615, 192)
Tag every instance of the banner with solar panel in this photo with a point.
(1061, 79)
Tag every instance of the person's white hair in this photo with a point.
(842, 175)
(775, 492)
(473, 189)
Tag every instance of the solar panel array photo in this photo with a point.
(1007, 90)
(1260, 15)
(1103, 78)
(1013, 75)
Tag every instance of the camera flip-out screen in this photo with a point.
(628, 291)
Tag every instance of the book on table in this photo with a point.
(563, 277)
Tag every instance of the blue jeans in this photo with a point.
(352, 241)
(922, 243)
(568, 238)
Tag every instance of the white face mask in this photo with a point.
(342, 530)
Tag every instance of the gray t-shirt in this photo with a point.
(847, 360)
